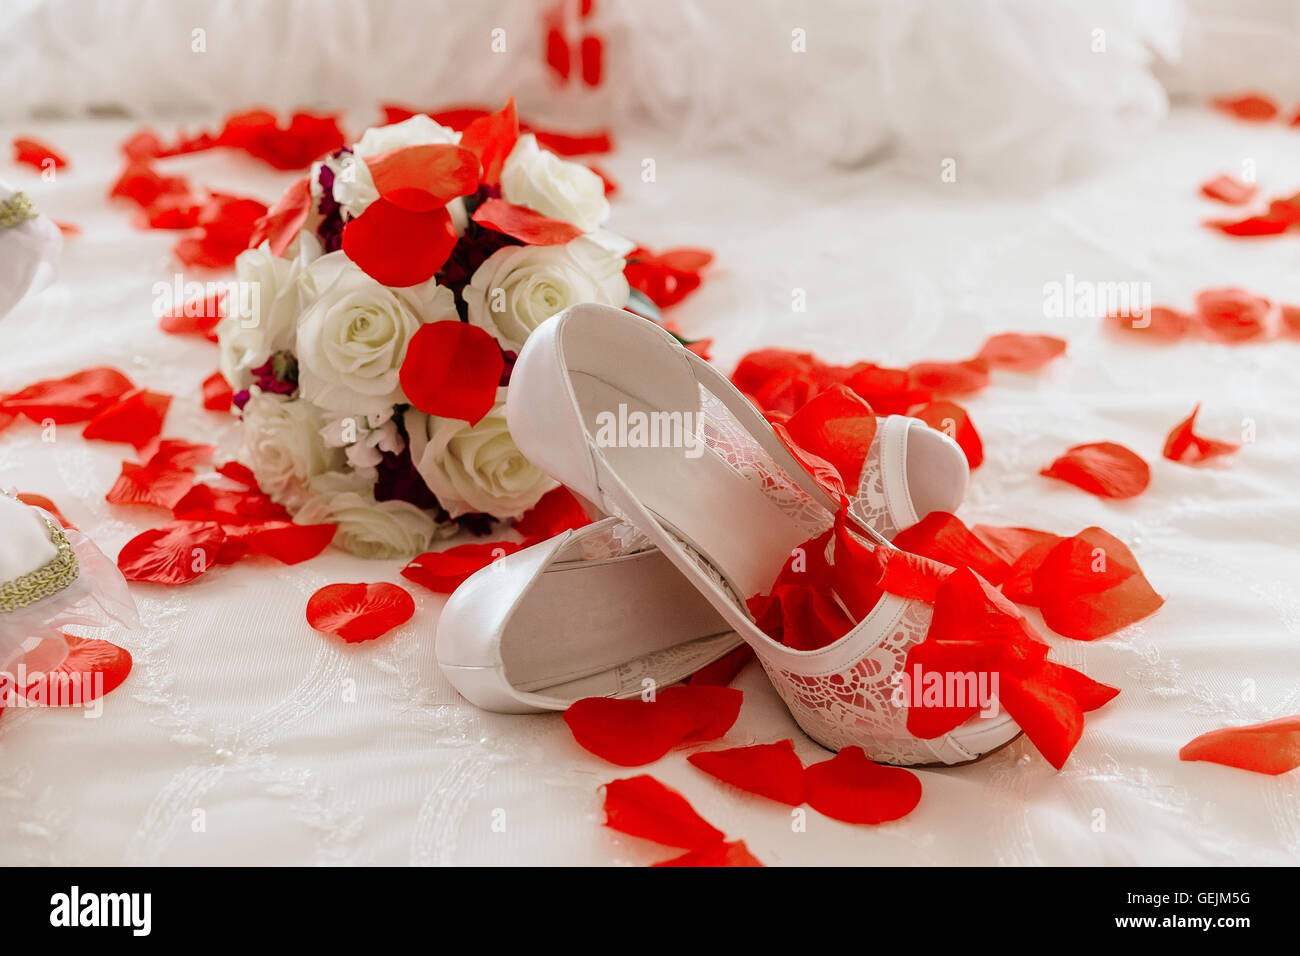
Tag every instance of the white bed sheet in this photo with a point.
(242, 736)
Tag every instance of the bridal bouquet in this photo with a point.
(378, 313)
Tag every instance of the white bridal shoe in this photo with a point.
(539, 629)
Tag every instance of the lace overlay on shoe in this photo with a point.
(733, 443)
(672, 663)
(617, 539)
(870, 504)
(854, 707)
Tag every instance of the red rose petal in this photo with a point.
(283, 221)
(1229, 189)
(285, 541)
(491, 138)
(1232, 315)
(144, 186)
(1025, 549)
(769, 770)
(217, 393)
(953, 420)
(1271, 747)
(1010, 543)
(950, 378)
(1157, 322)
(1106, 469)
(1020, 351)
(178, 453)
(359, 612)
(837, 426)
(426, 177)
(724, 670)
(1050, 717)
(160, 486)
(889, 391)
(75, 398)
(634, 732)
(669, 277)
(851, 788)
(643, 807)
(308, 137)
(1089, 693)
(733, 853)
(944, 538)
(524, 224)
(1291, 319)
(228, 506)
(555, 512)
(397, 247)
(909, 575)
(238, 472)
(136, 418)
(444, 571)
(92, 669)
(571, 144)
(226, 225)
(36, 154)
(826, 474)
(452, 370)
(1251, 107)
(1090, 585)
(1184, 445)
(1251, 226)
(198, 316)
(173, 554)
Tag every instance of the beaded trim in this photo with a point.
(53, 577)
(15, 210)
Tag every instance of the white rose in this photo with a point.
(366, 527)
(261, 313)
(537, 178)
(363, 438)
(282, 445)
(475, 468)
(517, 288)
(353, 334)
(354, 187)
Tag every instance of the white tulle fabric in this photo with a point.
(251, 739)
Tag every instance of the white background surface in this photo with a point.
(237, 709)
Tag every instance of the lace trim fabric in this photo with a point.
(870, 504)
(855, 706)
(672, 663)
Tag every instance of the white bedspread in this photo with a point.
(242, 736)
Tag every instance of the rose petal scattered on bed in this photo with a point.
(1229, 189)
(1105, 469)
(40, 156)
(1020, 351)
(73, 398)
(92, 669)
(444, 571)
(285, 541)
(136, 418)
(643, 807)
(1090, 585)
(1050, 717)
(1232, 315)
(158, 485)
(528, 226)
(1185, 446)
(198, 316)
(556, 511)
(668, 277)
(359, 612)
(949, 378)
(769, 770)
(173, 554)
(953, 420)
(307, 137)
(452, 369)
(1271, 747)
(635, 732)
(853, 789)
(217, 393)
(1157, 322)
(1251, 107)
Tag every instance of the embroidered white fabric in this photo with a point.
(242, 736)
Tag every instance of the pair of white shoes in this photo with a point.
(658, 590)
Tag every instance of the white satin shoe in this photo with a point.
(598, 610)
(726, 516)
